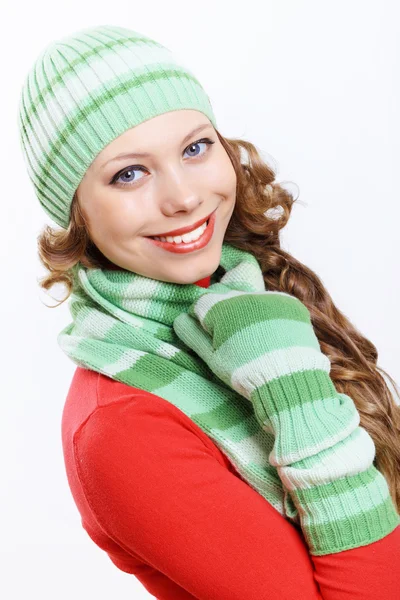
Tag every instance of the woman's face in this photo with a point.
(179, 182)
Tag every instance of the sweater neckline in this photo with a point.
(205, 282)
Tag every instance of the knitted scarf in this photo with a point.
(122, 328)
(282, 423)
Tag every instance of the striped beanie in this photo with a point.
(85, 90)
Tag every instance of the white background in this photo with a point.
(315, 86)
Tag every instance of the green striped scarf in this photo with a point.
(322, 478)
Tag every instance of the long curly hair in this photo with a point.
(262, 209)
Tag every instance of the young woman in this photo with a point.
(227, 433)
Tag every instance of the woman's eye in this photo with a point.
(198, 143)
(125, 177)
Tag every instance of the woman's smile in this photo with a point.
(180, 179)
(203, 236)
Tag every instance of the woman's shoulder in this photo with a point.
(95, 396)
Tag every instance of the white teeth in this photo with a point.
(186, 237)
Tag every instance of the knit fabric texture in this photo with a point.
(290, 435)
(85, 90)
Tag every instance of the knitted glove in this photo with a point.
(263, 345)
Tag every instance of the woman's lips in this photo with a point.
(184, 247)
(182, 230)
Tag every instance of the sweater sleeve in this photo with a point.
(159, 491)
(157, 486)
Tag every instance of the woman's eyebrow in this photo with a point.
(148, 154)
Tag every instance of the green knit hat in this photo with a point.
(84, 91)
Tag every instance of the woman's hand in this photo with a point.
(262, 344)
(248, 339)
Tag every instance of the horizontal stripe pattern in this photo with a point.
(85, 90)
(362, 509)
(291, 436)
(347, 453)
(310, 428)
(263, 346)
(82, 70)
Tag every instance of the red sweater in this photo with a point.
(166, 505)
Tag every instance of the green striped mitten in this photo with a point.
(263, 345)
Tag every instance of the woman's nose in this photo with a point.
(178, 193)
